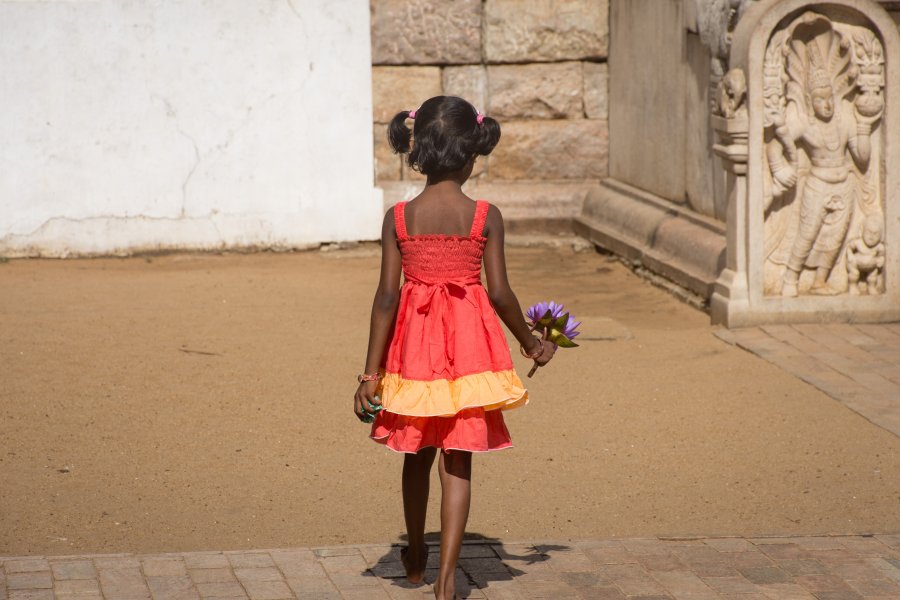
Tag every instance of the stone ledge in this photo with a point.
(526, 201)
(683, 247)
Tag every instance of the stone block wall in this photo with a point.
(537, 66)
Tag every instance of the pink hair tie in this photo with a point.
(412, 114)
(479, 118)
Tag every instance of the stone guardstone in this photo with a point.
(544, 30)
(426, 32)
(539, 91)
(559, 149)
(808, 128)
(469, 82)
(402, 88)
(596, 90)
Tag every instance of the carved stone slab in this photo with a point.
(808, 126)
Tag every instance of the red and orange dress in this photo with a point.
(447, 373)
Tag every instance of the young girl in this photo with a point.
(438, 370)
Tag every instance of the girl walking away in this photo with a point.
(438, 370)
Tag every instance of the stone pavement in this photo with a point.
(859, 365)
(794, 568)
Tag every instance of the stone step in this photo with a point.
(683, 247)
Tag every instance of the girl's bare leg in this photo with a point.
(455, 469)
(416, 480)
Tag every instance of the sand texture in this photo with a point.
(191, 402)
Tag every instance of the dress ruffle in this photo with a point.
(472, 430)
(490, 390)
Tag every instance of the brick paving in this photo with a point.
(859, 364)
(791, 568)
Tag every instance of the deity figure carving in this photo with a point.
(822, 93)
(865, 258)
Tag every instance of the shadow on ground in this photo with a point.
(484, 561)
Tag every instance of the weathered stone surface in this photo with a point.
(561, 149)
(674, 242)
(648, 96)
(518, 200)
(807, 228)
(387, 164)
(700, 168)
(469, 82)
(543, 91)
(596, 90)
(426, 32)
(408, 174)
(402, 88)
(545, 30)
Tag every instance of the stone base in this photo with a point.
(732, 307)
(684, 247)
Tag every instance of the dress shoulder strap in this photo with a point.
(400, 220)
(481, 210)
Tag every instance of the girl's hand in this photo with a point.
(365, 395)
(547, 354)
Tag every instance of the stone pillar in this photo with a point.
(813, 227)
(730, 125)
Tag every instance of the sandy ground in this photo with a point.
(204, 402)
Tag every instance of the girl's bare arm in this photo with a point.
(384, 308)
(500, 293)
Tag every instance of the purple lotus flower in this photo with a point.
(539, 311)
(570, 330)
(555, 325)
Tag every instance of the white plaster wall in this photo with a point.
(138, 125)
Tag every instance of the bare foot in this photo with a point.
(414, 563)
(438, 596)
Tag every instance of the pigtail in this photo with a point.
(488, 135)
(399, 135)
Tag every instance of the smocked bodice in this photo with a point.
(435, 259)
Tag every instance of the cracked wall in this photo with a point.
(154, 126)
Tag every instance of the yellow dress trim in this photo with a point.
(490, 390)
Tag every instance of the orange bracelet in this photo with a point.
(367, 377)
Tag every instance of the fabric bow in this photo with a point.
(439, 328)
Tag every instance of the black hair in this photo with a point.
(447, 135)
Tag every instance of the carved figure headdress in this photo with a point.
(816, 55)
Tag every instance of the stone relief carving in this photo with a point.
(865, 258)
(823, 100)
(716, 20)
(731, 95)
